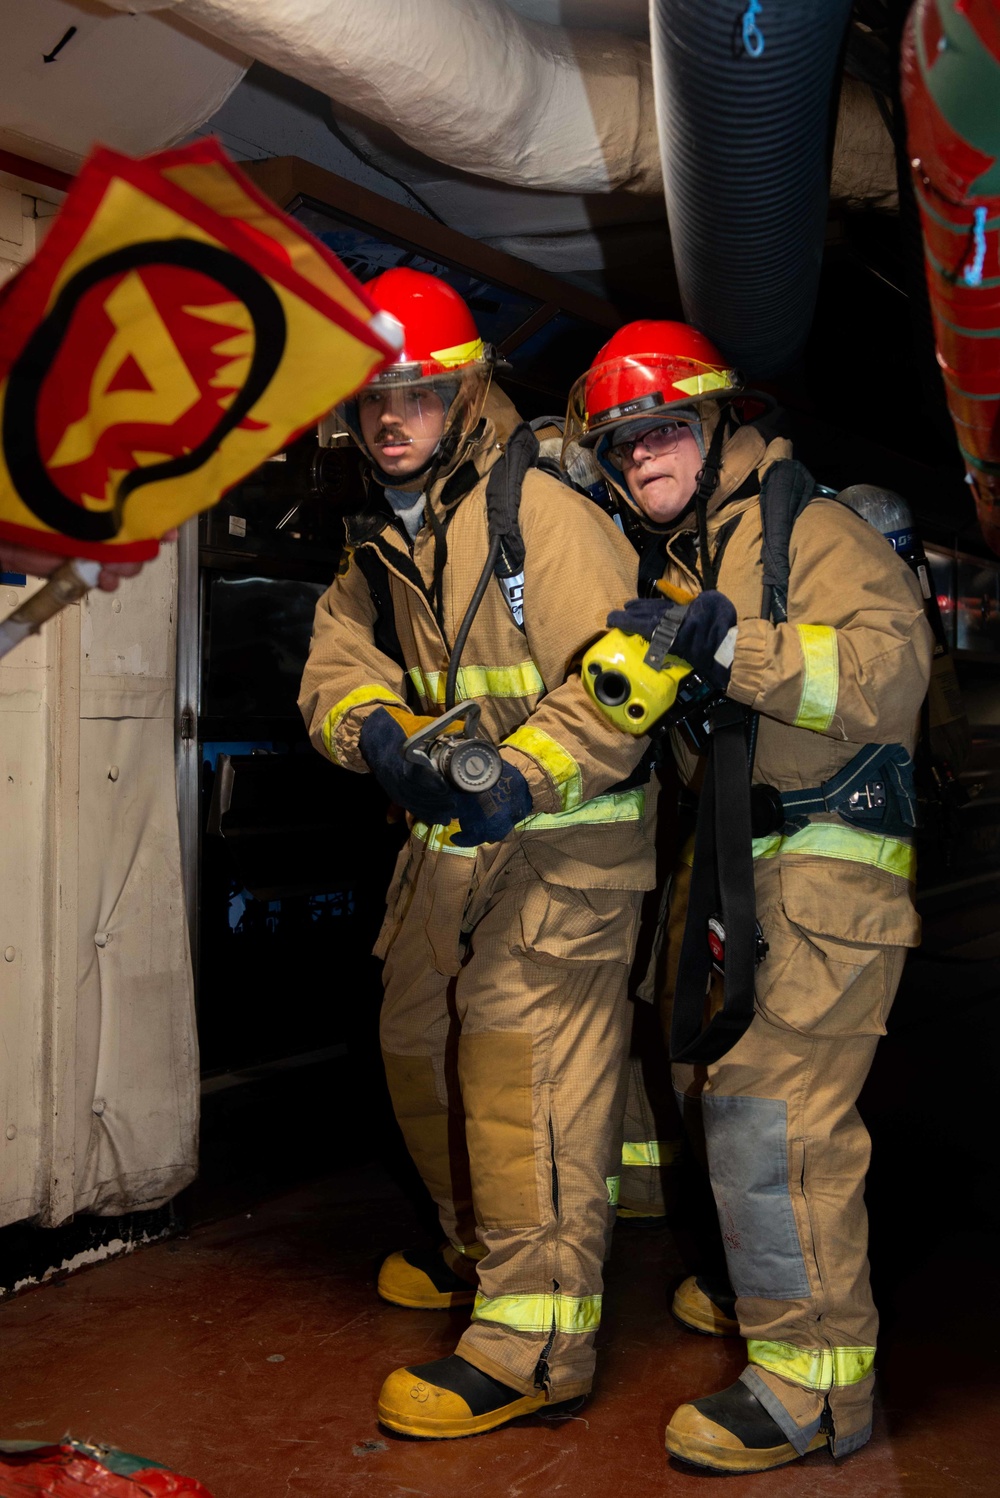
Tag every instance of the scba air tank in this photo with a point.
(889, 513)
(885, 511)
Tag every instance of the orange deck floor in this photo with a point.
(250, 1355)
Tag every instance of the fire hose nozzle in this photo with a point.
(464, 760)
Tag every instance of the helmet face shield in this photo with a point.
(630, 389)
(404, 419)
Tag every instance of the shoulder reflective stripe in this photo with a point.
(650, 1152)
(822, 677)
(613, 1184)
(820, 1369)
(540, 1313)
(554, 759)
(827, 840)
(522, 680)
(617, 806)
(360, 697)
(438, 838)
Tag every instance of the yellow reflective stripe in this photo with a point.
(822, 676)
(686, 855)
(469, 1250)
(554, 759)
(821, 1369)
(540, 1313)
(830, 840)
(360, 697)
(649, 1151)
(521, 680)
(709, 379)
(459, 353)
(614, 1184)
(616, 806)
(438, 838)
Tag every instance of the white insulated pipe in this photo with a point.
(468, 82)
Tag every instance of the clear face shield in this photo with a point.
(636, 388)
(404, 421)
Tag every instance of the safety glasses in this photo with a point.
(657, 440)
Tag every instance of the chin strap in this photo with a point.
(706, 485)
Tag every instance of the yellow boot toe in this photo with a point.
(696, 1309)
(732, 1432)
(423, 1281)
(449, 1398)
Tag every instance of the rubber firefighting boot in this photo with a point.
(732, 1432)
(423, 1280)
(449, 1398)
(707, 1306)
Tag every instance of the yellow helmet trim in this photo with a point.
(459, 353)
(701, 384)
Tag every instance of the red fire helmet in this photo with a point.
(438, 382)
(646, 368)
(440, 331)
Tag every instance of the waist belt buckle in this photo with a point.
(869, 800)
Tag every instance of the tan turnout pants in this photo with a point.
(788, 1154)
(507, 1078)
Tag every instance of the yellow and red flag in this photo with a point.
(174, 330)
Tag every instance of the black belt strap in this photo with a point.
(722, 884)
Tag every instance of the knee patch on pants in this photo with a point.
(495, 1072)
(423, 1118)
(747, 1144)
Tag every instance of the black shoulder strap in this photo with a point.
(503, 498)
(376, 575)
(787, 488)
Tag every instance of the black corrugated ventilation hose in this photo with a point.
(743, 103)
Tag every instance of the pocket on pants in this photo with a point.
(814, 981)
(561, 926)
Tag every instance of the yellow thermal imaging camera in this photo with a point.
(638, 683)
(631, 682)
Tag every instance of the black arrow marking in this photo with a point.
(51, 56)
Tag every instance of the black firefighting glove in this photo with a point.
(421, 791)
(488, 817)
(706, 638)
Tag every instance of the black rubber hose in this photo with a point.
(745, 145)
(463, 632)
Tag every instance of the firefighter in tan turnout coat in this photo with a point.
(511, 919)
(843, 675)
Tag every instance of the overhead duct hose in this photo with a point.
(743, 102)
(951, 93)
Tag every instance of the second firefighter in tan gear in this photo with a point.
(505, 1018)
(787, 1151)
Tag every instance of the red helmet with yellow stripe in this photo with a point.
(645, 369)
(440, 331)
(442, 371)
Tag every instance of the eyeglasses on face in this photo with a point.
(662, 438)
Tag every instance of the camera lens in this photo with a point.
(612, 688)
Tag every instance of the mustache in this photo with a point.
(388, 436)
